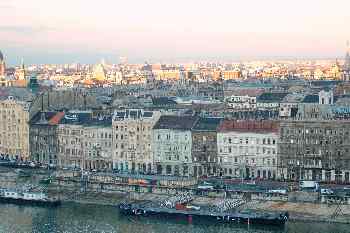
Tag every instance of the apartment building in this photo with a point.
(248, 149)
(132, 140)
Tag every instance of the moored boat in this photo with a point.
(193, 214)
(27, 198)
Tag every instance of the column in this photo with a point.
(323, 175)
(333, 175)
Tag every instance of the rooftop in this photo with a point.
(176, 122)
(42, 118)
(160, 101)
(271, 97)
(20, 94)
(254, 126)
(311, 99)
(207, 124)
(132, 114)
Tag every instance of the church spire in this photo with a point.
(347, 57)
(346, 67)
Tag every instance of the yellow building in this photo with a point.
(14, 125)
(334, 72)
(232, 74)
(99, 73)
(167, 75)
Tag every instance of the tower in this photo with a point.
(346, 67)
(21, 72)
(33, 84)
(2, 65)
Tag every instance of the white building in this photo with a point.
(241, 102)
(289, 105)
(172, 145)
(248, 149)
(84, 142)
(132, 140)
(325, 97)
(97, 145)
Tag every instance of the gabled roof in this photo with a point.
(311, 99)
(42, 118)
(56, 118)
(207, 124)
(176, 122)
(252, 126)
(271, 97)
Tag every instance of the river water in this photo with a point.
(92, 218)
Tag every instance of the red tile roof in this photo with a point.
(254, 126)
(56, 118)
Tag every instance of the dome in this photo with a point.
(1, 56)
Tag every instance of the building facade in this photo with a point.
(70, 153)
(248, 149)
(172, 145)
(315, 150)
(204, 146)
(132, 140)
(70, 135)
(241, 102)
(43, 137)
(14, 127)
(97, 145)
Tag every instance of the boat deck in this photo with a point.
(205, 211)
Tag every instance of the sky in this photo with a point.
(85, 31)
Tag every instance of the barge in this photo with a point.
(13, 164)
(204, 213)
(27, 198)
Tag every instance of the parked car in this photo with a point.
(278, 191)
(327, 191)
(206, 186)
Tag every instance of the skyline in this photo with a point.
(66, 32)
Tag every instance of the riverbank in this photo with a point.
(298, 212)
(98, 194)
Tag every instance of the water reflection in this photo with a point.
(91, 218)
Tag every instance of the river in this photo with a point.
(92, 218)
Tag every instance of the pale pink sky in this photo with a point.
(160, 29)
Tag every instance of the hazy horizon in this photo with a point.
(86, 31)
